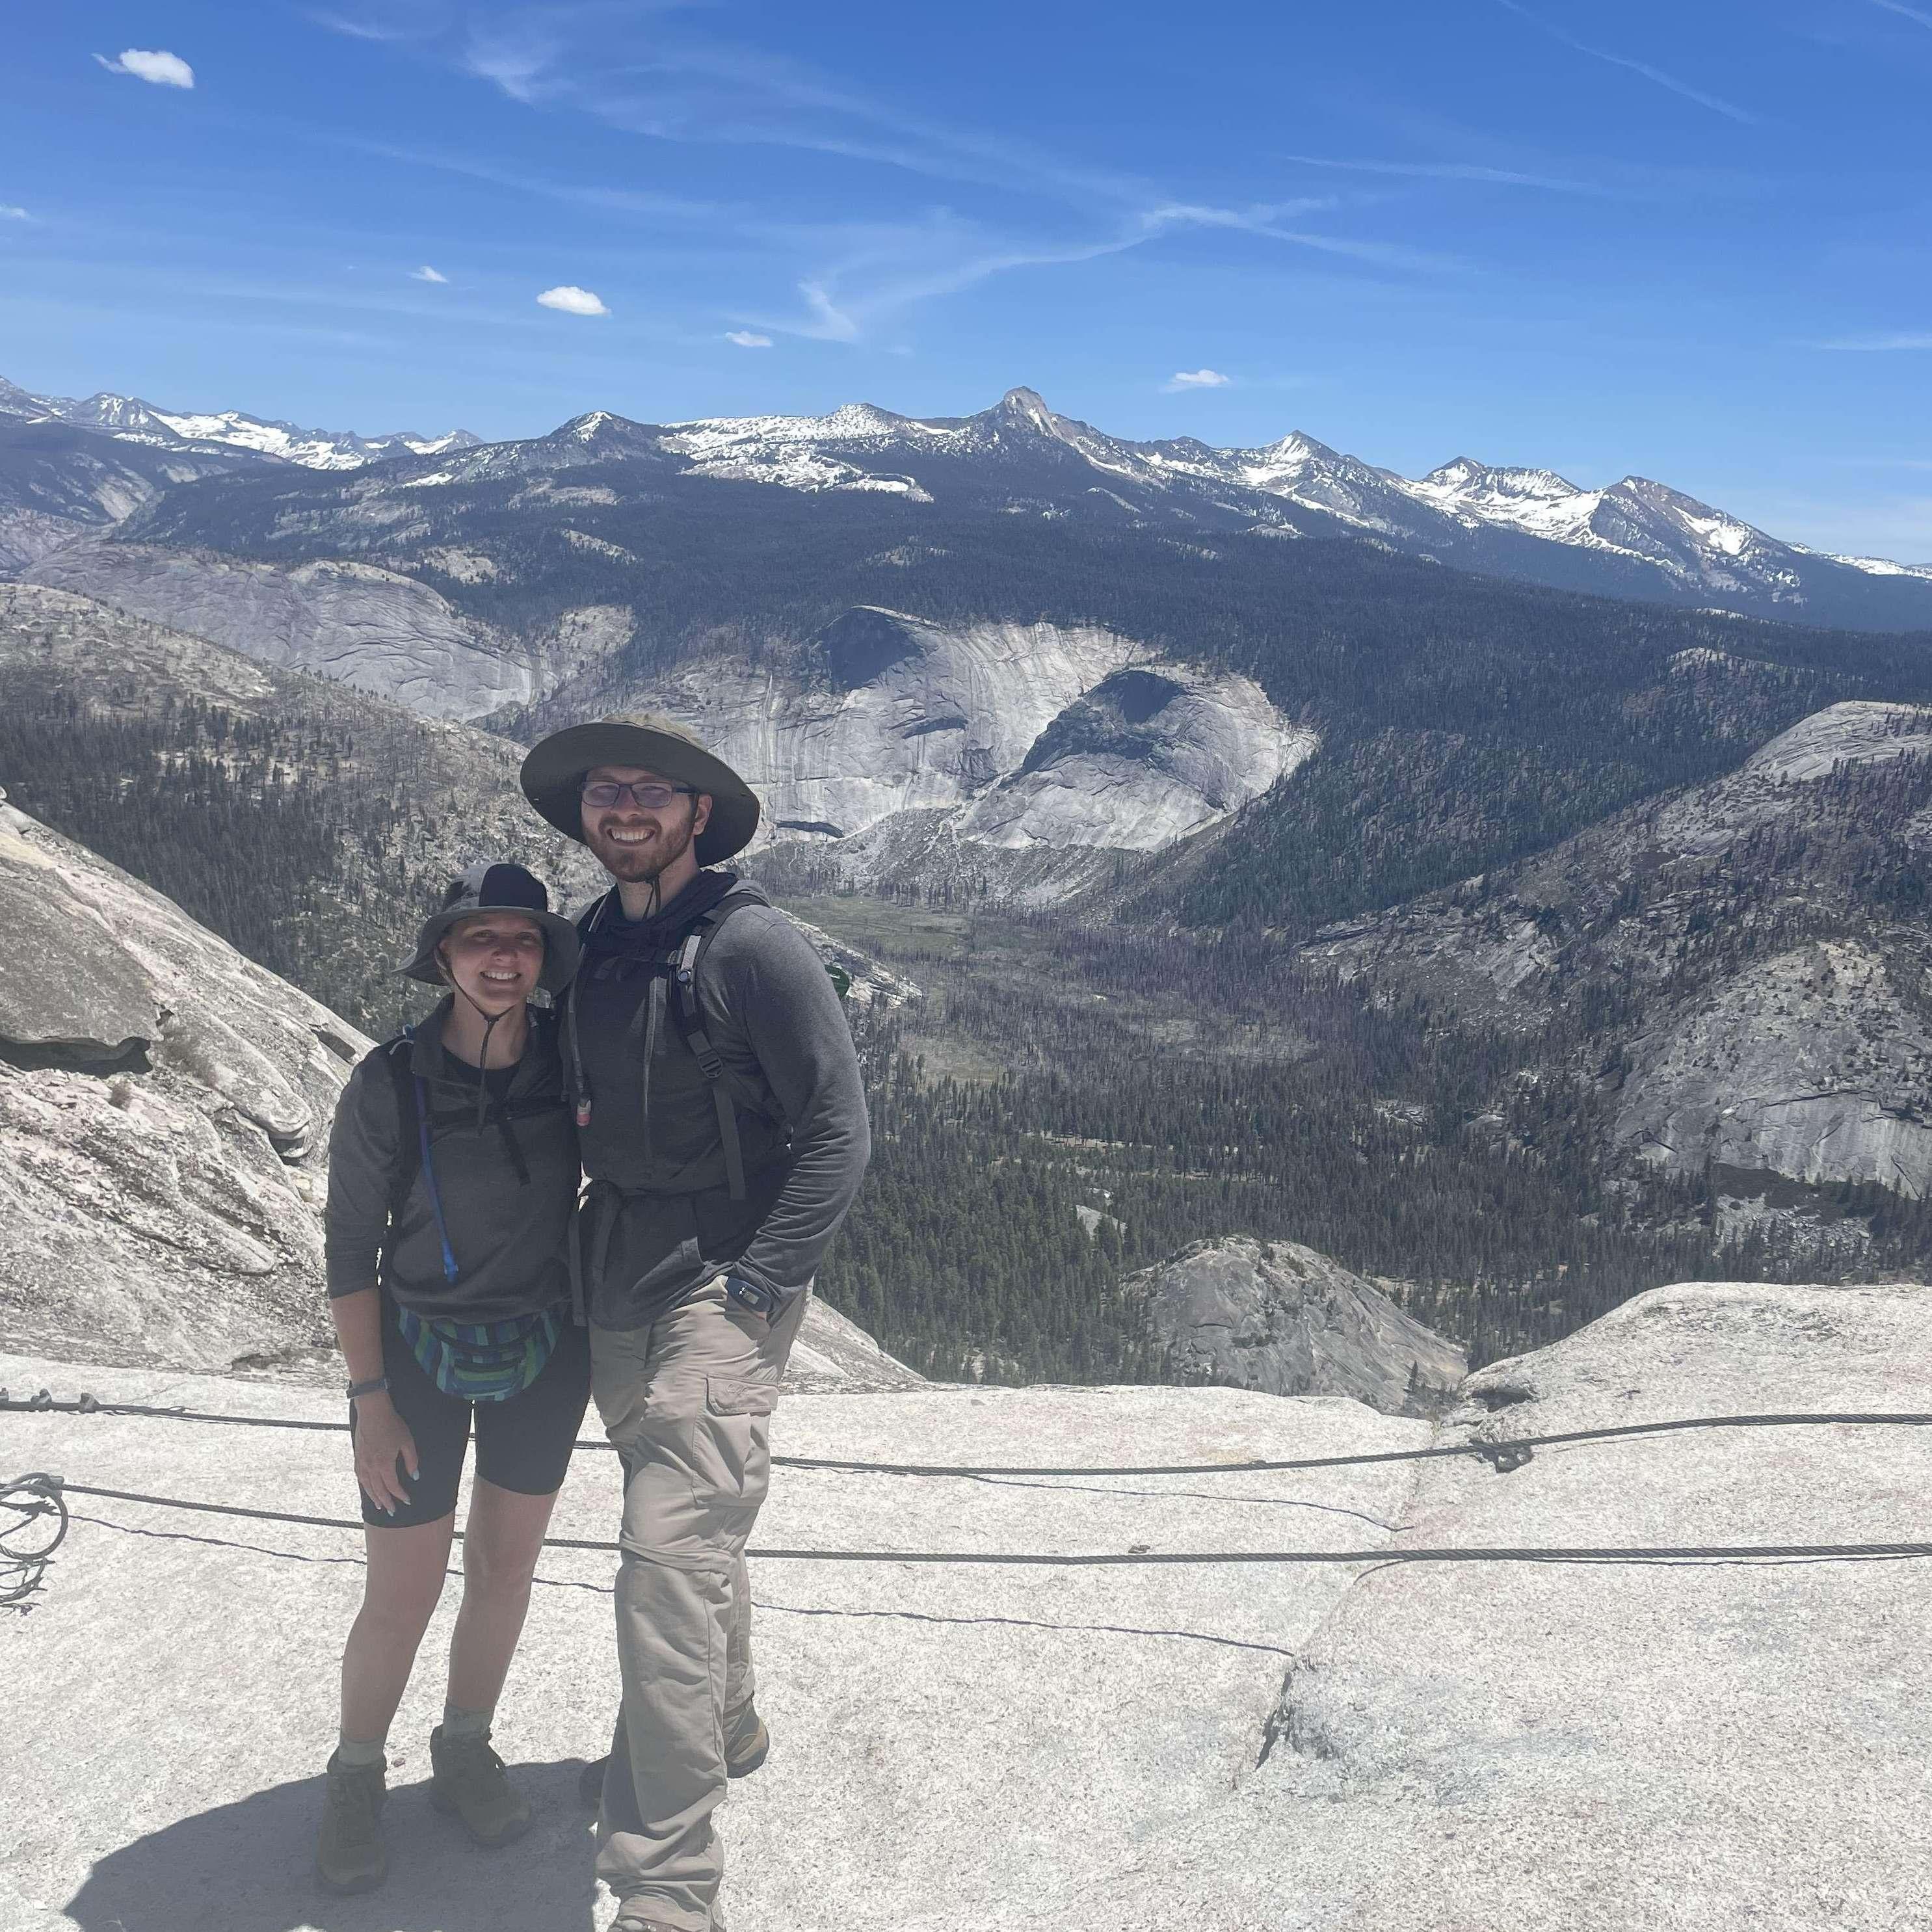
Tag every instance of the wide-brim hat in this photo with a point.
(496, 885)
(553, 773)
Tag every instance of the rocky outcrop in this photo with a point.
(1277, 1316)
(1025, 735)
(1816, 1065)
(164, 1106)
(374, 628)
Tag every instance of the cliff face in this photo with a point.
(1277, 1316)
(1011, 738)
(1816, 1064)
(164, 1109)
(374, 628)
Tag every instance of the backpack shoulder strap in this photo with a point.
(688, 1012)
(394, 1056)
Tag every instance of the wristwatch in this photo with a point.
(754, 1295)
(375, 1385)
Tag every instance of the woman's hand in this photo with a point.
(382, 1441)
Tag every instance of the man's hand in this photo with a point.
(382, 1441)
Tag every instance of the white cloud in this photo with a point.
(745, 339)
(1196, 379)
(573, 301)
(1879, 345)
(163, 70)
(426, 273)
(10, 214)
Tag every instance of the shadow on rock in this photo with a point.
(249, 1867)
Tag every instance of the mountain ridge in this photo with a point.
(1634, 537)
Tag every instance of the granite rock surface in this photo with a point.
(1279, 1317)
(1233, 1747)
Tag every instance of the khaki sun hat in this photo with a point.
(497, 885)
(554, 770)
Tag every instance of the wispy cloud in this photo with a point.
(162, 69)
(396, 20)
(9, 213)
(1910, 12)
(746, 338)
(1879, 345)
(1196, 379)
(573, 301)
(1457, 171)
(627, 66)
(1643, 68)
(426, 273)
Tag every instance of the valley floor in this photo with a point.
(1457, 1747)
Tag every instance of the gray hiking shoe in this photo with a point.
(468, 1781)
(350, 1854)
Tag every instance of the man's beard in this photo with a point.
(640, 865)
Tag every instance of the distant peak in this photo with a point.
(1030, 406)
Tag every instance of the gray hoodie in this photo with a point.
(507, 1188)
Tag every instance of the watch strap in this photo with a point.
(375, 1385)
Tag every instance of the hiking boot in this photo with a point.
(350, 1855)
(747, 1743)
(467, 1779)
(630, 1918)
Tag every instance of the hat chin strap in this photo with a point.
(489, 1027)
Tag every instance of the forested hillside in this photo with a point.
(310, 826)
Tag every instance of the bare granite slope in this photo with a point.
(1281, 1317)
(164, 1110)
(1232, 1747)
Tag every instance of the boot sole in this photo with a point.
(508, 1836)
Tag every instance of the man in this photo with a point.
(723, 1127)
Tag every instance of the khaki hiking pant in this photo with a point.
(687, 1403)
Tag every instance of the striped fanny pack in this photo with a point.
(488, 1361)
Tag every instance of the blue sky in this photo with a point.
(1690, 241)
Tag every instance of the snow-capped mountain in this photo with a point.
(1634, 539)
(131, 420)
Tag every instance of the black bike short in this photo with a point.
(523, 1443)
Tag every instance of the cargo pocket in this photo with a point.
(737, 1416)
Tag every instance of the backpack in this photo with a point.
(416, 1121)
(680, 966)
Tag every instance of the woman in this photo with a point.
(453, 1171)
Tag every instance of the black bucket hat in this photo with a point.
(553, 773)
(496, 885)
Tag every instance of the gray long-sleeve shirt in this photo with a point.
(662, 1219)
(507, 1188)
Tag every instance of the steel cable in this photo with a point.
(23, 1570)
(1742, 1553)
(1510, 1452)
